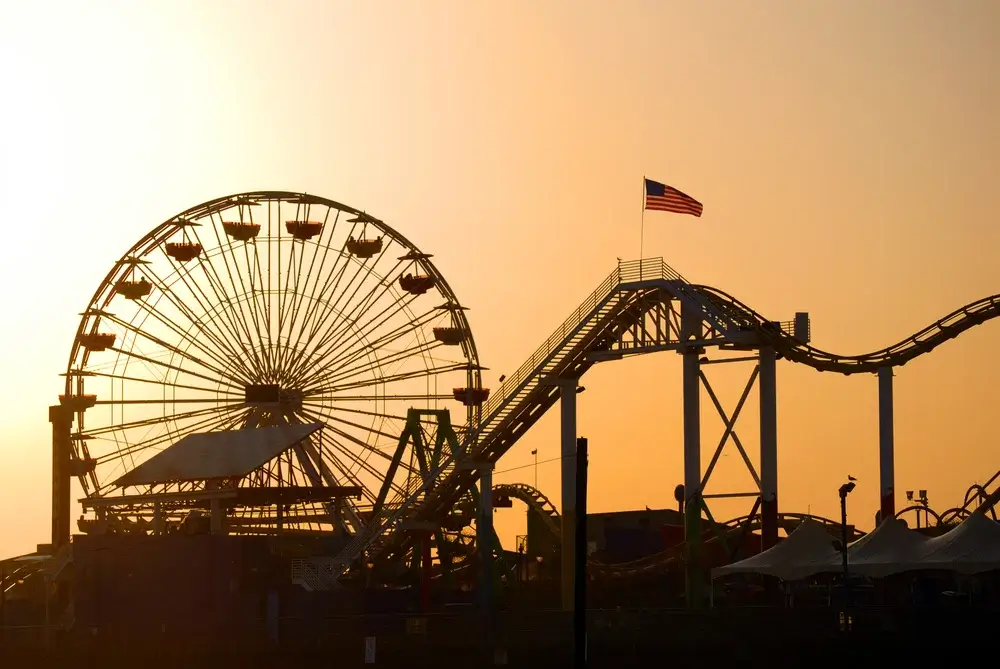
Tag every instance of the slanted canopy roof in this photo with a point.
(213, 455)
(807, 551)
(972, 547)
(880, 552)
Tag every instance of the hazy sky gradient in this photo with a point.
(846, 153)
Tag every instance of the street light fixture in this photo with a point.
(844, 491)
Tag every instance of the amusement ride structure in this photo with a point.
(277, 362)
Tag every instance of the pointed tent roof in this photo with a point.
(971, 547)
(808, 550)
(881, 551)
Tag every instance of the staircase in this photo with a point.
(526, 394)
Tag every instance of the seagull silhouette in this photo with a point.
(851, 478)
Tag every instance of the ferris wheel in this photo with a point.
(267, 309)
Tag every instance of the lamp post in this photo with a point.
(845, 490)
(535, 453)
(921, 499)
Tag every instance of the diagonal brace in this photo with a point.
(730, 423)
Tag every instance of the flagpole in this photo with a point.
(642, 224)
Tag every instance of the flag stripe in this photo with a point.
(660, 197)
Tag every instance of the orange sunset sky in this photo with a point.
(846, 154)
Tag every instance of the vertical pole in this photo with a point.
(567, 405)
(580, 577)
(425, 571)
(886, 443)
(642, 225)
(768, 448)
(62, 424)
(843, 548)
(484, 535)
(691, 324)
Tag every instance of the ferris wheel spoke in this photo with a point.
(343, 329)
(167, 365)
(120, 377)
(312, 300)
(382, 381)
(299, 297)
(225, 249)
(120, 455)
(320, 410)
(217, 354)
(339, 373)
(224, 336)
(204, 422)
(330, 286)
(148, 422)
(348, 318)
(412, 397)
(360, 463)
(340, 314)
(264, 290)
(352, 349)
(158, 401)
(296, 252)
(237, 382)
(220, 340)
(399, 419)
(317, 414)
(215, 306)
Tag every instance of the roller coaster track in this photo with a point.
(896, 355)
(623, 305)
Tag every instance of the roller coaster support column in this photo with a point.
(768, 448)
(567, 405)
(691, 324)
(886, 443)
(484, 535)
(62, 425)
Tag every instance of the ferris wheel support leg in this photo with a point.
(886, 444)
(567, 406)
(691, 323)
(62, 426)
(768, 448)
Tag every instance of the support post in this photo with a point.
(62, 425)
(768, 448)
(580, 575)
(567, 405)
(886, 444)
(691, 325)
(425, 571)
(218, 517)
(484, 536)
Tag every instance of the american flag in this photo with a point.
(660, 197)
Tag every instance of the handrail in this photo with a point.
(648, 269)
(557, 337)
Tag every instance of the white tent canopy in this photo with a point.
(880, 552)
(972, 547)
(808, 550)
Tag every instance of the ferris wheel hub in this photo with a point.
(272, 395)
